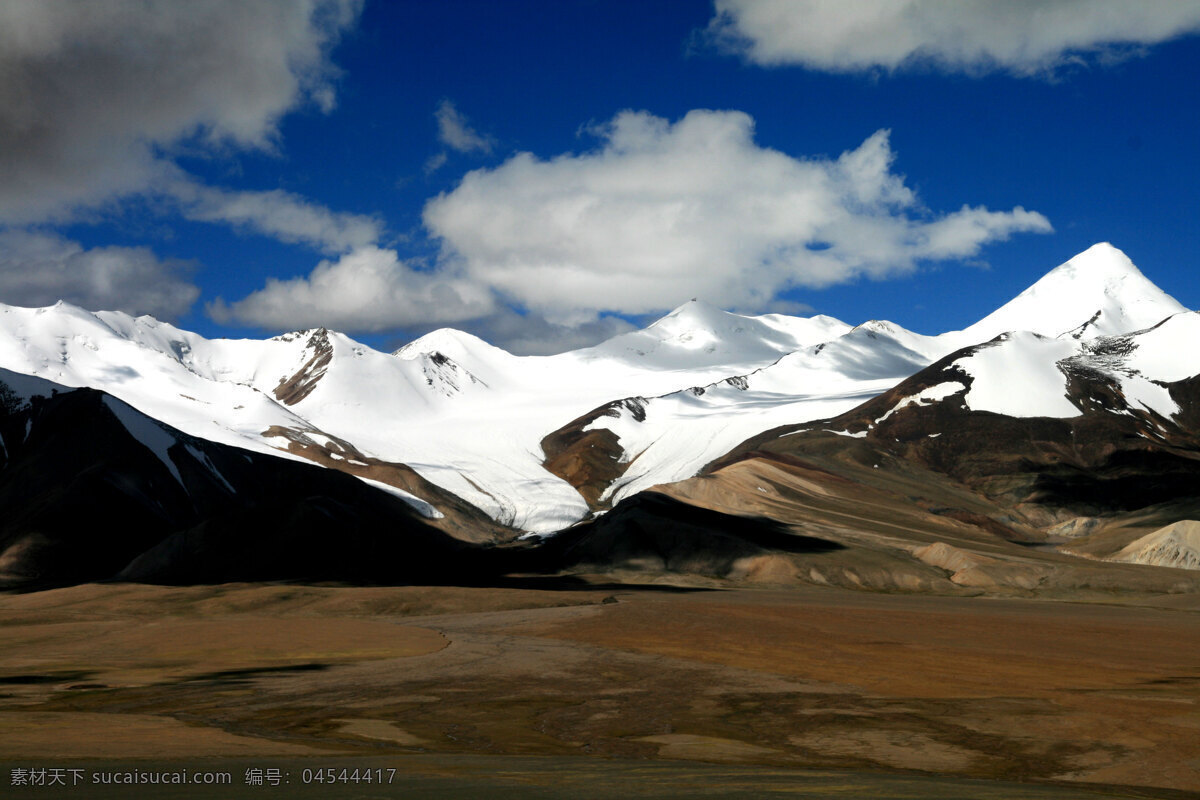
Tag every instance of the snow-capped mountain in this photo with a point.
(698, 335)
(1061, 437)
(462, 413)
(671, 437)
(453, 416)
(1143, 375)
(1097, 293)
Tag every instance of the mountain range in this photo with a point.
(1038, 446)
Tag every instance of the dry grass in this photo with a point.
(808, 677)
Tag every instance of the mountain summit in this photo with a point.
(1097, 293)
(697, 335)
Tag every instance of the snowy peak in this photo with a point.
(1097, 293)
(458, 345)
(695, 323)
(693, 328)
(698, 335)
(455, 359)
(305, 335)
(872, 351)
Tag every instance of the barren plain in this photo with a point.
(576, 687)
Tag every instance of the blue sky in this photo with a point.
(546, 174)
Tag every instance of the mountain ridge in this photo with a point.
(876, 458)
(474, 420)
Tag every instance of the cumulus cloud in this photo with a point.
(661, 212)
(372, 289)
(1024, 38)
(278, 214)
(38, 269)
(92, 94)
(368, 289)
(657, 213)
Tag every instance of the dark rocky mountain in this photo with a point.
(83, 498)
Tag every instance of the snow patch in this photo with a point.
(927, 396)
(1150, 396)
(1042, 390)
(321, 440)
(148, 432)
(420, 506)
(1167, 351)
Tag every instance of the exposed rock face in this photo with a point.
(1176, 545)
(1116, 451)
(591, 458)
(445, 374)
(299, 385)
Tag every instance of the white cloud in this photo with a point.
(373, 290)
(38, 269)
(92, 93)
(456, 133)
(368, 289)
(279, 214)
(658, 213)
(662, 212)
(1024, 38)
